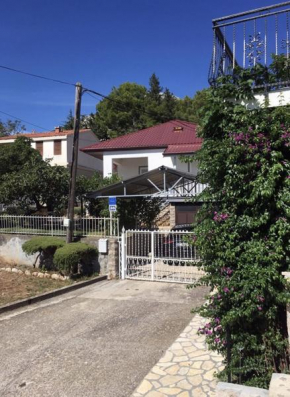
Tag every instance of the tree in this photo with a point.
(138, 212)
(11, 127)
(69, 123)
(86, 121)
(14, 156)
(122, 112)
(191, 109)
(243, 231)
(155, 90)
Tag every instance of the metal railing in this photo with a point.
(53, 226)
(250, 38)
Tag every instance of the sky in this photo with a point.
(102, 44)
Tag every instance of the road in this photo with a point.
(99, 341)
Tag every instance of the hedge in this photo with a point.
(68, 257)
(42, 243)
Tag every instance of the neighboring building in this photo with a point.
(148, 161)
(141, 151)
(57, 146)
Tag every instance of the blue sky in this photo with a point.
(102, 43)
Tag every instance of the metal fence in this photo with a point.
(54, 226)
(160, 256)
(250, 38)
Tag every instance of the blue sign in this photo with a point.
(112, 204)
(112, 200)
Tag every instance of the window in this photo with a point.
(39, 147)
(57, 148)
(143, 169)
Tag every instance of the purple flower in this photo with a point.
(259, 308)
(217, 340)
(226, 290)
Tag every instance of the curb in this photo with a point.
(50, 294)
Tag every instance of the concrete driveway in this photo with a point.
(99, 341)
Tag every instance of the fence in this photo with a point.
(159, 255)
(250, 38)
(53, 226)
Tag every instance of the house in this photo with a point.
(57, 146)
(142, 151)
(150, 159)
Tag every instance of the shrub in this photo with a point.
(243, 234)
(75, 258)
(46, 246)
(41, 243)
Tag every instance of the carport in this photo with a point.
(163, 182)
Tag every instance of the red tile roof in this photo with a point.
(181, 149)
(43, 134)
(169, 135)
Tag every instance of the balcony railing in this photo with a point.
(250, 38)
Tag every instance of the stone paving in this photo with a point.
(186, 370)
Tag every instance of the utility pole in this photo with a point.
(74, 164)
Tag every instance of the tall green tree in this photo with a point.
(122, 112)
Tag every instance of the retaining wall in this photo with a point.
(11, 253)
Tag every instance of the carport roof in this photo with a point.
(160, 182)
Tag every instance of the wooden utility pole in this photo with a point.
(74, 164)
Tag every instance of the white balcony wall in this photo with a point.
(271, 99)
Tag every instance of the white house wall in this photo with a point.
(85, 161)
(155, 159)
(128, 162)
(129, 168)
(48, 150)
(187, 167)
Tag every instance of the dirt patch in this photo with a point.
(15, 286)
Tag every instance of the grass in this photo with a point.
(14, 286)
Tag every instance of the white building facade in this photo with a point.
(56, 146)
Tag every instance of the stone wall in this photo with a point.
(11, 253)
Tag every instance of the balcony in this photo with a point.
(253, 40)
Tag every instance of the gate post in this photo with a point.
(152, 255)
(123, 253)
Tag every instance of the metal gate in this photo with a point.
(160, 255)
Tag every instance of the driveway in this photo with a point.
(99, 341)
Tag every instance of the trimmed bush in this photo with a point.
(42, 243)
(46, 246)
(75, 258)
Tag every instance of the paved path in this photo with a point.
(100, 341)
(186, 370)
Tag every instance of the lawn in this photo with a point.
(14, 286)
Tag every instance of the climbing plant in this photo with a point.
(243, 229)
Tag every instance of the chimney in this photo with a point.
(57, 129)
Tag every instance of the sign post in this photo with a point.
(112, 208)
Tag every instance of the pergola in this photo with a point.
(162, 182)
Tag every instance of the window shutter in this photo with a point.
(39, 147)
(57, 148)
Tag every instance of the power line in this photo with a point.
(24, 121)
(36, 75)
(86, 90)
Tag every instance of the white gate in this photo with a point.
(159, 256)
